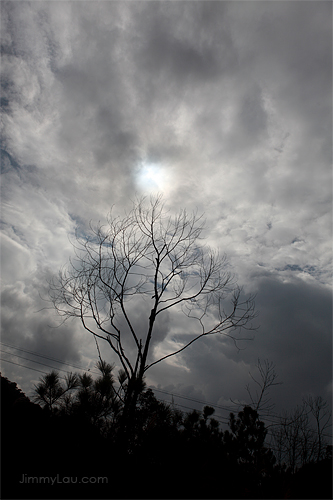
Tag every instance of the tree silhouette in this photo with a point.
(81, 395)
(245, 445)
(172, 455)
(153, 262)
(322, 416)
(96, 400)
(50, 392)
(260, 400)
(300, 437)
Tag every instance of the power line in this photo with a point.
(224, 420)
(91, 371)
(274, 419)
(23, 366)
(206, 403)
(33, 361)
(46, 357)
(223, 408)
(220, 418)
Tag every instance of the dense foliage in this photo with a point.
(73, 433)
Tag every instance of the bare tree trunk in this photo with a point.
(148, 255)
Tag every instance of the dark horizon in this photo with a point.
(160, 449)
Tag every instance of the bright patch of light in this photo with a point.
(152, 177)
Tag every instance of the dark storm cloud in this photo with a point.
(232, 102)
(295, 334)
(296, 324)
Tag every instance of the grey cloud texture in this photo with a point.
(295, 334)
(231, 103)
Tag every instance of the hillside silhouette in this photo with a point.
(70, 448)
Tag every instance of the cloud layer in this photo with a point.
(223, 106)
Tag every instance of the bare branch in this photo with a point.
(268, 376)
(152, 261)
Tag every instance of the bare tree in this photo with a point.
(291, 439)
(322, 416)
(155, 261)
(260, 400)
(299, 437)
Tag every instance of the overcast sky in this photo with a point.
(222, 106)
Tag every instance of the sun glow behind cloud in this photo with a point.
(152, 177)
